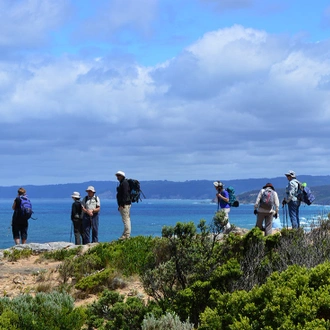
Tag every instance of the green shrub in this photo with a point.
(290, 300)
(168, 321)
(44, 311)
(110, 312)
(62, 253)
(96, 282)
(16, 254)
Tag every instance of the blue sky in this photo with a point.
(163, 89)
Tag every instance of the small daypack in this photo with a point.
(304, 194)
(232, 197)
(135, 190)
(267, 200)
(25, 208)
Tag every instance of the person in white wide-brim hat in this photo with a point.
(91, 206)
(76, 217)
(222, 197)
(291, 198)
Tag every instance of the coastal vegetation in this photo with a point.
(193, 277)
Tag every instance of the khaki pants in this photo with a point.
(125, 216)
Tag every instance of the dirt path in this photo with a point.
(34, 274)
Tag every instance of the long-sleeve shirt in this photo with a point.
(260, 209)
(291, 190)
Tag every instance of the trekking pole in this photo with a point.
(286, 216)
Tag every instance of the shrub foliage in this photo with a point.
(197, 278)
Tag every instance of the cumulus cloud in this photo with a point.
(238, 102)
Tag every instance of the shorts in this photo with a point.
(20, 231)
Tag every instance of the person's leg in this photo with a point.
(77, 232)
(95, 228)
(260, 220)
(268, 224)
(86, 223)
(227, 210)
(16, 233)
(293, 212)
(24, 231)
(125, 216)
(297, 214)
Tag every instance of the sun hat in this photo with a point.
(268, 185)
(90, 188)
(218, 184)
(121, 173)
(291, 173)
(75, 195)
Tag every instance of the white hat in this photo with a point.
(120, 173)
(90, 188)
(218, 184)
(291, 173)
(75, 194)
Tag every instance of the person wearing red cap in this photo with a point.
(266, 207)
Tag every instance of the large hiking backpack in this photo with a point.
(135, 190)
(25, 208)
(232, 197)
(305, 194)
(267, 199)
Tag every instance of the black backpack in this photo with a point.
(135, 190)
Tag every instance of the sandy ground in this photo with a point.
(34, 274)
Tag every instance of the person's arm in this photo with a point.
(14, 205)
(98, 205)
(292, 190)
(277, 202)
(126, 195)
(83, 205)
(256, 204)
(224, 195)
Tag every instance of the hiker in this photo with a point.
(266, 207)
(124, 203)
(291, 199)
(91, 207)
(222, 197)
(19, 223)
(76, 217)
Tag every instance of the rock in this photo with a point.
(43, 247)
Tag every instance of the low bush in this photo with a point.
(111, 312)
(16, 254)
(50, 311)
(169, 321)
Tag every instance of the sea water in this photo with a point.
(53, 222)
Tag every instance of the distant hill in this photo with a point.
(246, 189)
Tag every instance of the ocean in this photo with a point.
(148, 217)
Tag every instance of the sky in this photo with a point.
(163, 89)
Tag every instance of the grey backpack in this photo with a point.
(267, 200)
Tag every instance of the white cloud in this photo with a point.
(26, 24)
(236, 103)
